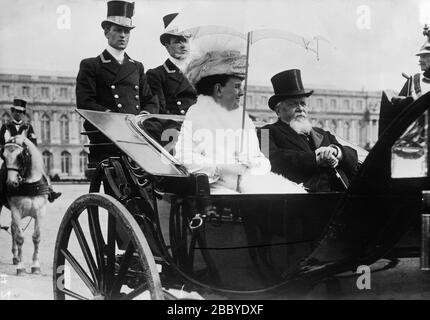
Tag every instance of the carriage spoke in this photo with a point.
(73, 294)
(80, 271)
(111, 237)
(86, 251)
(123, 268)
(97, 238)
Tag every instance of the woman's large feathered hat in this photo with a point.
(119, 13)
(425, 48)
(228, 62)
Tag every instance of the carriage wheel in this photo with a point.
(101, 253)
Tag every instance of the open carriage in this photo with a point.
(147, 225)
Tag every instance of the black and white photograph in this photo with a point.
(232, 151)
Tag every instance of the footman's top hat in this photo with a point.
(119, 13)
(425, 48)
(171, 30)
(287, 84)
(19, 105)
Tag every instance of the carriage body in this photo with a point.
(243, 244)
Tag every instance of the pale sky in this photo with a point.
(371, 42)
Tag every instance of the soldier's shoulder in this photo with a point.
(90, 61)
(159, 69)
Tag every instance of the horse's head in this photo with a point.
(17, 159)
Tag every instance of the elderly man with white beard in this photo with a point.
(298, 151)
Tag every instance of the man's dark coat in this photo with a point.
(174, 91)
(103, 84)
(11, 126)
(293, 156)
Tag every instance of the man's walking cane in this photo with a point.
(340, 178)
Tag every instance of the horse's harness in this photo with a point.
(37, 188)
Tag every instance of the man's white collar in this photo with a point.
(181, 64)
(117, 54)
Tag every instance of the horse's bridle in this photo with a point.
(20, 158)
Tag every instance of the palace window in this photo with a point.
(66, 162)
(359, 105)
(333, 126)
(249, 102)
(45, 92)
(319, 104)
(26, 91)
(263, 102)
(5, 90)
(82, 138)
(333, 104)
(47, 161)
(63, 92)
(45, 129)
(64, 129)
(83, 161)
(346, 105)
(362, 131)
(346, 131)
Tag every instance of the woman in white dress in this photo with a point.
(210, 140)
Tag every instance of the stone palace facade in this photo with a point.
(352, 115)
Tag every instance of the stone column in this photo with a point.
(55, 128)
(36, 125)
(73, 129)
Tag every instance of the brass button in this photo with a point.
(112, 86)
(137, 107)
(136, 87)
(137, 97)
(116, 96)
(182, 111)
(179, 103)
(119, 105)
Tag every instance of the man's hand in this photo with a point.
(325, 157)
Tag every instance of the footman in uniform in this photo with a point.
(112, 81)
(175, 93)
(18, 126)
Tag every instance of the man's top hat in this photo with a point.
(287, 84)
(171, 30)
(119, 13)
(19, 105)
(425, 48)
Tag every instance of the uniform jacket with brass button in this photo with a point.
(174, 91)
(103, 84)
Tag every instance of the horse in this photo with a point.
(26, 195)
